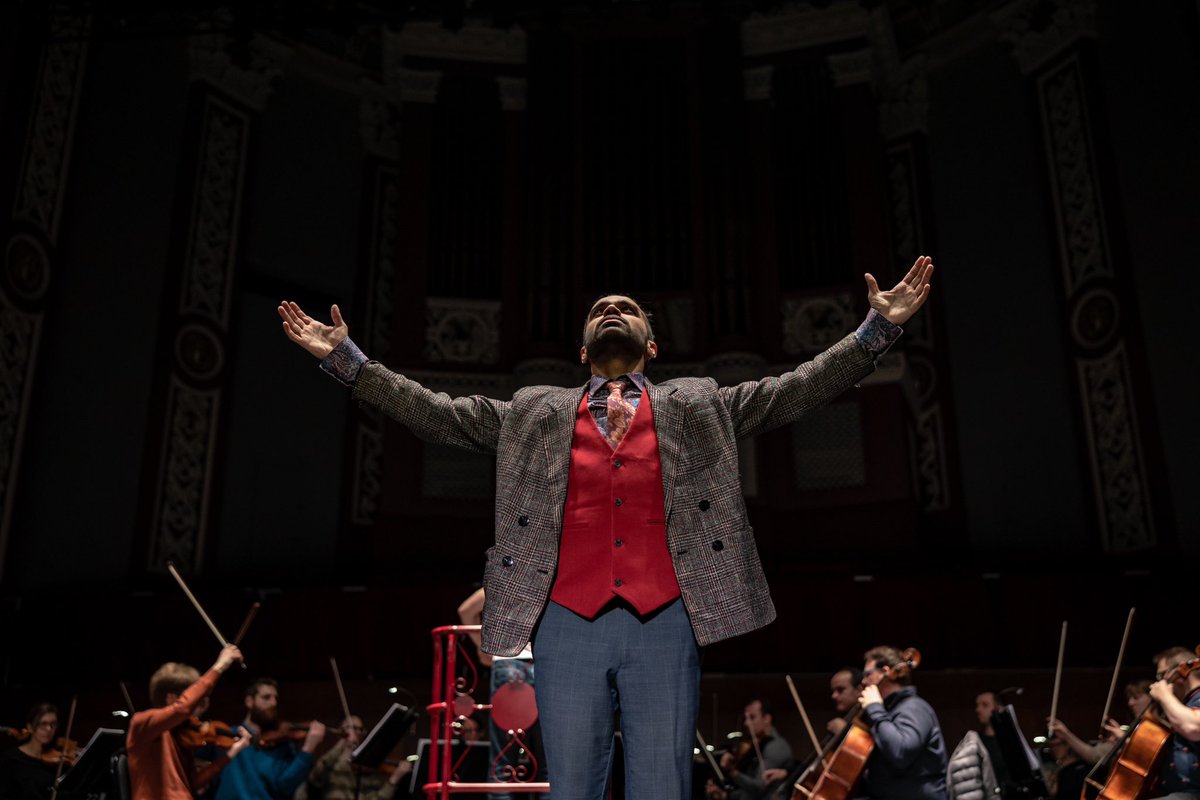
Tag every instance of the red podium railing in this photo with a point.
(452, 698)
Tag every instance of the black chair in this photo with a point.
(119, 764)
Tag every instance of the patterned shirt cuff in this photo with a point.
(876, 334)
(344, 362)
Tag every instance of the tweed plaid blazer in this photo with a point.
(697, 424)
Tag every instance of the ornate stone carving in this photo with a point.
(478, 43)
(379, 123)
(462, 331)
(1117, 464)
(27, 268)
(1082, 233)
(513, 92)
(212, 239)
(1038, 30)
(811, 324)
(929, 448)
(1095, 319)
(904, 108)
(198, 352)
(757, 82)
(250, 83)
(181, 512)
(381, 276)
(19, 334)
(796, 26)
(416, 86)
(852, 68)
(52, 127)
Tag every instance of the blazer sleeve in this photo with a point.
(471, 423)
(759, 406)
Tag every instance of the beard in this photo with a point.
(614, 342)
(265, 719)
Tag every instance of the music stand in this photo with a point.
(91, 773)
(1024, 766)
(384, 737)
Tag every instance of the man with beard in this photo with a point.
(621, 529)
(267, 773)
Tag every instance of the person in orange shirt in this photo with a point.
(160, 768)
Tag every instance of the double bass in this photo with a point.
(844, 770)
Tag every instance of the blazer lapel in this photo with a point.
(668, 423)
(558, 426)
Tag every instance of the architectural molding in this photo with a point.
(1038, 30)
(210, 59)
(797, 26)
(472, 42)
(462, 331)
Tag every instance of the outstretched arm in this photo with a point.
(472, 423)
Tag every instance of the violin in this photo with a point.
(290, 732)
(1136, 756)
(64, 751)
(18, 735)
(197, 733)
(849, 761)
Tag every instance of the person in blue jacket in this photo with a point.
(909, 759)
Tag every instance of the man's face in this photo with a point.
(985, 705)
(756, 722)
(263, 706)
(1165, 665)
(616, 327)
(1138, 702)
(843, 691)
(873, 674)
(352, 729)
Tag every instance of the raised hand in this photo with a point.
(314, 336)
(899, 304)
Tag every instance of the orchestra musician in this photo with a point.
(268, 771)
(976, 769)
(759, 763)
(1179, 702)
(334, 777)
(844, 688)
(908, 761)
(26, 773)
(594, 480)
(160, 766)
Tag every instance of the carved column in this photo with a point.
(183, 447)
(29, 253)
(1050, 42)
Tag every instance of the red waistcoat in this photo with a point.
(614, 535)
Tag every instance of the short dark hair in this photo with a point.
(38, 711)
(765, 708)
(1138, 688)
(889, 657)
(253, 687)
(855, 675)
(1177, 655)
(645, 314)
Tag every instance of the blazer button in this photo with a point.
(507, 561)
(703, 505)
(718, 545)
(523, 521)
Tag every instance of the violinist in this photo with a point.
(762, 761)
(26, 773)
(1178, 697)
(271, 770)
(908, 761)
(160, 766)
(844, 687)
(335, 778)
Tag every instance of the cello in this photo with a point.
(844, 770)
(1136, 756)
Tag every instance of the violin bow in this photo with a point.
(128, 699)
(337, 677)
(712, 762)
(1062, 647)
(199, 609)
(804, 716)
(1112, 687)
(250, 615)
(63, 755)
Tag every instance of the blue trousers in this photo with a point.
(647, 670)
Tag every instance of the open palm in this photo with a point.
(314, 336)
(903, 300)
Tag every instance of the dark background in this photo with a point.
(464, 181)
